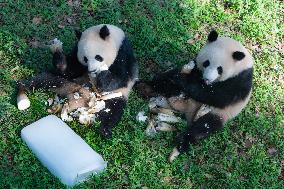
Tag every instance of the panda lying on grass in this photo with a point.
(102, 57)
(217, 86)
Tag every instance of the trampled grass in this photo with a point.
(248, 153)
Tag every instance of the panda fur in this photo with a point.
(102, 56)
(220, 81)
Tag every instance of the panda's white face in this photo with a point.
(98, 47)
(221, 59)
(91, 53)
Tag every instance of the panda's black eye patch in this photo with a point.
(99, 58)
(237, 55)
(220, 70)
(85, 59)
(206, 63)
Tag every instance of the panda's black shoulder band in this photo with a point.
(220, 94)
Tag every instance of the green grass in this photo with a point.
(159, 30)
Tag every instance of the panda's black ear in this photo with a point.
(237, 55)
(104, 32)
(78, 34)
(213, 35)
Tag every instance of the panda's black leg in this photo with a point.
(54, 83)
(44, 80)
(111, 115)
(49, 81)
(200, 129)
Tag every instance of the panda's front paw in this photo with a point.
(183, 147)
(187, 68)
(182, 142)
(59, 62)
(103, 75)
(103, 80)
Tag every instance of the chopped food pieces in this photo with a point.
(84, 114)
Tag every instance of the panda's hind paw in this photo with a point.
(105, 132)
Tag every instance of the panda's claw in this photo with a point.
(175, 153)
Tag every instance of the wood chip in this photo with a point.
(271, 150)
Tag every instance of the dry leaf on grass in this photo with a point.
(69, 20)
(61, 26)
(271, 150)
(248, 143)
(34, 43)
(281, 46)
(167, 179)
(193, 40)
(37, 20)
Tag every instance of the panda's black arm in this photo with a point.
(166, 83)
(219, 94)
(200, 129)
(107, 81)
(50, 81)
(123, 70)
(111, 115)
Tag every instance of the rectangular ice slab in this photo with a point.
(61, 150)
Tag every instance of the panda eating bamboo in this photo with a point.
(217, 86)
(103, 57)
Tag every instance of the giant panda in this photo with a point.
(102, 56)
(217, 86)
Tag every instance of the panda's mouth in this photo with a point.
(207, 82)
(93, 74)
(210, 75)
(95, 66)
(93, 71)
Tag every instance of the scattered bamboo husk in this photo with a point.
(204, 109)
(162, 110)
(141, 117)
(84, 113)
(162, 126)
(162, 117)
(150, 131)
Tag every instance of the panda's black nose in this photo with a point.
(85, 59)
(206, 63)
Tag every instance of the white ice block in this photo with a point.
(62, 151)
